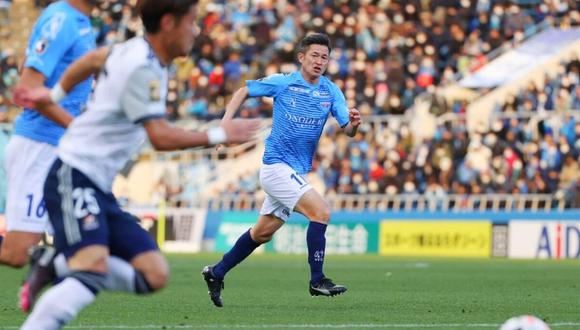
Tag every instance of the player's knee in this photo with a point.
(157, 277)
(156, 272)
(321, 215)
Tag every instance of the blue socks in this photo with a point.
(242, 249)
(245, 245)
(316, 242)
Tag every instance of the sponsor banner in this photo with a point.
(435, 238)
(343, 238)
(544, 239)
(232, 226)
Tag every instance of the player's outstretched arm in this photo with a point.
(232, 107)
(354, 120)
(89, 64)
(235, 103)
(165, 137)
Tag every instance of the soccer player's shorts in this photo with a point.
(26, 163)
(83, 215)
(284, 188)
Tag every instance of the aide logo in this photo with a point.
(544, 239)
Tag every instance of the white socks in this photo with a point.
(121, 276)
(59, 305)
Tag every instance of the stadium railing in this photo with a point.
(411, 203)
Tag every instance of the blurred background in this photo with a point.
(470, 143)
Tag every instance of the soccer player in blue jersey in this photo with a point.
(302, 103)
(62, 34)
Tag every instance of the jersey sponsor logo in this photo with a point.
(155, 90)
(41, 46)
(298, 89)
(320, 94)
(303, 121)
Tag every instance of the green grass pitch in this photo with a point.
(271, 292)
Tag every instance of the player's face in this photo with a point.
(185, 33)
(314, 61)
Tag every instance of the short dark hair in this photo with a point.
(151, 11)
(314, 39)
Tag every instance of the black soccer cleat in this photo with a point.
(326, 288)
(40, 274)
(214, 286)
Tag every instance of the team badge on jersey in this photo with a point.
(155, 90)
(89, 222)
(325, 105)
(41, 46)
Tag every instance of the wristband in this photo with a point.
(57, 93)
(216, 135)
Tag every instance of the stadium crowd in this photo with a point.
(385, 53)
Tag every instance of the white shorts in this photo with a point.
(27, 163)
(284, 188)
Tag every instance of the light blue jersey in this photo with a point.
(60, 36)
(300, 112)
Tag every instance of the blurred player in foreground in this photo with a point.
(302, 102)
(127, 107)
(61, 34)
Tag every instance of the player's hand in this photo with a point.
(30, 97)
(354, 117)
(240, 130)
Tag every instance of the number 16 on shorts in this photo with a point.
(36, 207)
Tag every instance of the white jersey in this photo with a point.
(131, 89)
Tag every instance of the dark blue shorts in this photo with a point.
(84, 215)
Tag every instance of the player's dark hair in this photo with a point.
(314, 39)
(151, 11)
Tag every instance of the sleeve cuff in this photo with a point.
(143, 119)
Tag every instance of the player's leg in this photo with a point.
(261, 233)
(139, 266)
(81, 233)
(61, 303)
(315, 208)
(26, 218)
(282, 193)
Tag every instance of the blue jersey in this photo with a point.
(300, 112)
(60, 36)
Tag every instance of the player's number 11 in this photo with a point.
(295, 177)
